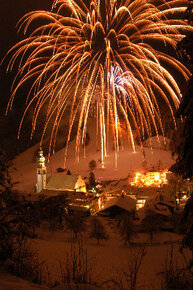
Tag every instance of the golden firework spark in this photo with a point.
(103, 53)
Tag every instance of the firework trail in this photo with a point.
(104, 54)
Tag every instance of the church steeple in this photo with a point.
(41, 171)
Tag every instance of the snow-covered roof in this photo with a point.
(127, 203)
(117, 185)
(159, 203)
(162, 198)
(62, 182)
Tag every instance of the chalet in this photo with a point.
(117, 205)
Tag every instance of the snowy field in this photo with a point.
(111, 255)
(106, 261)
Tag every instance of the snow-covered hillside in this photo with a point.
(23, 171)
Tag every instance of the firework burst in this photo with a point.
(106, 54)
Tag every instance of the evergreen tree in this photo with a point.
(184, 164)
(5, 181)
(16, 216)
(69, 172)
(187, 221)
(92, 183)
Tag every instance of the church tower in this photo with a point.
(41, 171)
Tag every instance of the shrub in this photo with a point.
(60, 169)
(25, 263)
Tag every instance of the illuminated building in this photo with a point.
(57, 182)
(150, 178)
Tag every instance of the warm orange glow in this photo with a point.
(151, 178)
(140, 203)
(99, 203)
(109, 57)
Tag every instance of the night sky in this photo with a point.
(10, 13)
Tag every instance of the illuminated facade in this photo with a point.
(66, 182)
(150, 178)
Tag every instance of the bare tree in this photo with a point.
(151, 223)
(27, 264)
(98, 231)
(127, 278)
(175, 277)
(75, 222)
(75, 269)
(126, 228)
